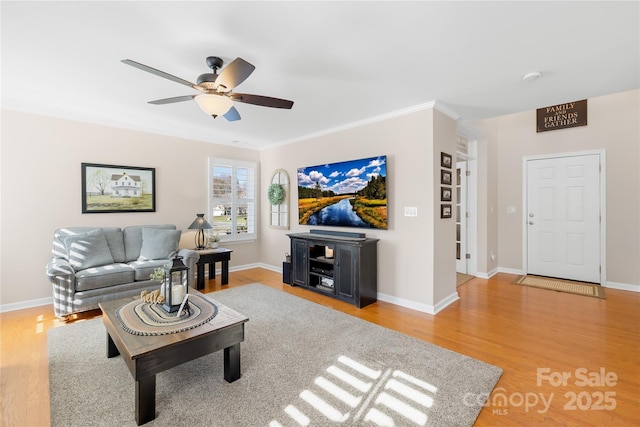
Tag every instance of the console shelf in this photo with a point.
(342, 267)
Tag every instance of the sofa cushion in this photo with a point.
(115, 242)
(133, 239)
(142, 269)
(159, 244)
(104, 276)
(113, 235)
(88, 250)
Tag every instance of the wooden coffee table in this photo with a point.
(146, 356)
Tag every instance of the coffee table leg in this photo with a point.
(112, 350)
(145, 399)
(232, 363)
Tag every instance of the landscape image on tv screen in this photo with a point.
(348, 194)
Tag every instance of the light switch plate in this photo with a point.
(410, 211)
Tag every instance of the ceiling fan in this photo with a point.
(217, 94)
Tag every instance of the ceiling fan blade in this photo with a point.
(161, 74)
(172, 100)
(232, 115)
(265, 101)
(234, 74)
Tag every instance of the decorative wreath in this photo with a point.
(276, 194)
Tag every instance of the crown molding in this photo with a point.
(431, 105)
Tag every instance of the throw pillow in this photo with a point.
(88, 250)
(158, 243)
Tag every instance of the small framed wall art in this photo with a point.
(445, 194)
(111, 188)
(445, 210)
(445, 177)
(446, 160)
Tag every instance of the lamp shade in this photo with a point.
(200, 223)
(214, 105)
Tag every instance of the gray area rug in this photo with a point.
(302, 364)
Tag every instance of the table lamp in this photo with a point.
(200, 224)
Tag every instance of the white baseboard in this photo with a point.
(488, 275)
(269, 267)
(246, 267)
(517, 271)
(418, 306)
(26, 304)
(425, 308)
(446, 302)
(623, 286)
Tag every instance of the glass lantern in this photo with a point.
(175, 284)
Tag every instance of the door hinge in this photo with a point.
(467, 214)
(468, 173)
(468, 256)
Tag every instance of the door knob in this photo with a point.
(530, 222)
(530, 215)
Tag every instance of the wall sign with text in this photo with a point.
(568, 115)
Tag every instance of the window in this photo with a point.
(232, 199)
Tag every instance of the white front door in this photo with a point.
(563, 217)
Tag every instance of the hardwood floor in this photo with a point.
(534, 335)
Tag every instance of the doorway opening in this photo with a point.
(465, 191)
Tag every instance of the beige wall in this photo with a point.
(444, 230)
(487, 201)
(413, 252)
(43, 155)
(41, 189)
(613, 125)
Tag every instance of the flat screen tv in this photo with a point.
(347, 194)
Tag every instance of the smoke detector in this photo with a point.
(534, 75)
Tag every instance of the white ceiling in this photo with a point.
(340, 62)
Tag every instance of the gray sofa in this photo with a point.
(92, 264)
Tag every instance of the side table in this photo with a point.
(211, 256)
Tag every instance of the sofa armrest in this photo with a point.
(59, 267)
(190, 258)
(63, 278)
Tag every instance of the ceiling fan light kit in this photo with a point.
(214, 105)
(217, 98)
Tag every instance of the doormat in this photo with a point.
(559, 285)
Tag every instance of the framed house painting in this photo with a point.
(112, 188)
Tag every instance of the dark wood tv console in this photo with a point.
(340, 266)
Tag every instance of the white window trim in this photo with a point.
(234, 237)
